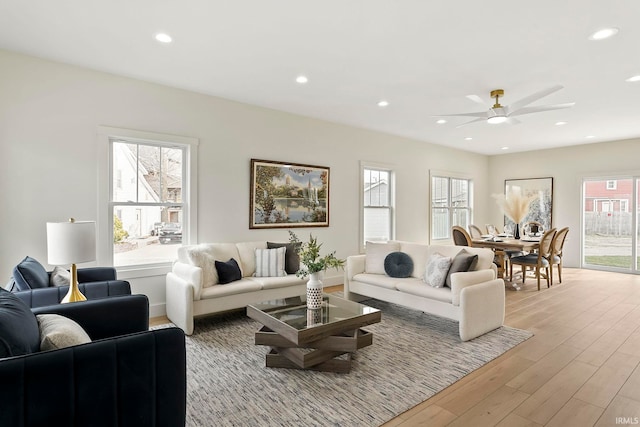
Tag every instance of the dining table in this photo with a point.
(507, 243)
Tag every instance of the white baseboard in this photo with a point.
(157, 310)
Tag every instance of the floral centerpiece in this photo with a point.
(311, 264)
(309, 254)
(515, 206)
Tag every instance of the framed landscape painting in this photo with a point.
(288, 195)
(540, 208)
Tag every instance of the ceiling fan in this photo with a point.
(506, 113)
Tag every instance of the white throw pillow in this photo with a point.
(270, 262)
(59, 332)
(59, 277)
(207, 263)
(375, 255)
(437, 268)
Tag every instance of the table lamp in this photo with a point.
(71, 242)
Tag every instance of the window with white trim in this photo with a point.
(147, 193)
(450, 204)
(612, 184)
(377, 204)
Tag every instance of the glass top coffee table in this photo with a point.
(303, 338)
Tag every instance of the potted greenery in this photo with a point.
(312, 263)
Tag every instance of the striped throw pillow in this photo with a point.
(270, 262)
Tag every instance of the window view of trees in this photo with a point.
(146, 201)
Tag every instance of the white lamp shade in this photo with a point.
(71, 242)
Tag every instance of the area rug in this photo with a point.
(413, 356)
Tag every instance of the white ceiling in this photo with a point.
(424, 57)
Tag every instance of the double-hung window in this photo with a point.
(149, 198)
(450, 204)
(377, 204)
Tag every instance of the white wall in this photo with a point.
(568, 166)
(50, 112)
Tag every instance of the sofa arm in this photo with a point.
(464, 279)
(481, 309)
(190, 274)
(104, 318)
(132, 380)
(42, 297)
(179, 302)
(355, 265)
(96, 274)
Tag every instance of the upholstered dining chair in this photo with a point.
(556, 256)
(460, 236)
(475, 231)
(538, 260)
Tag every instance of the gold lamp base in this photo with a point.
(74, 293)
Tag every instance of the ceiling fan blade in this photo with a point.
(482, 114)
(529, 110)
(476, 99)
(482, 119)
(532, 98)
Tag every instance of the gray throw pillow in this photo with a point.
(437, 269)
(464, 261)
(59, 332)
(59, 277)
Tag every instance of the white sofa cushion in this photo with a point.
(278, 282)
(419, 254)
(237, 287)
(418, 288)
(376, 280)
(247, 256)
(376, 253)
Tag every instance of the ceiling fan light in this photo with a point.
(634, 79)
(496, 120)
(604, 33)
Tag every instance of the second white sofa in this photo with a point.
(476, 299)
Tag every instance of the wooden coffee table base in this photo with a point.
(320, 355)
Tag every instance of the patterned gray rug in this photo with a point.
(228, 385)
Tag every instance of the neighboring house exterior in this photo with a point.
(606, 207)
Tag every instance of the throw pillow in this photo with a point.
(59, 332)
(375, 255)
(59, 277)
(30, 274)
(292, 259)
(200, 258)
(464, 261)
(437, 268)
(228, 271)
(270, 262)
(398, 264)
(18, 327)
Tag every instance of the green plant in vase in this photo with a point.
(310, 258)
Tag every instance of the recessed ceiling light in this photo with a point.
(590, 136)
(468, 138)
(302, 79)
(441, 121)
(164, 38)
(634, 79)
(561, 123)
(504, 148)
(383, 103)
(604, 33)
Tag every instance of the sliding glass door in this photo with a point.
(610, 223)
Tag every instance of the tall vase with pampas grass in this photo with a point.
(515, 206)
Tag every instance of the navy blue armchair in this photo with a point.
(32, 284)
(127, 375)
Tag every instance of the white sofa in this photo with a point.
(476, 299)
(192, 287)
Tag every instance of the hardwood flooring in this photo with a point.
(581, 368)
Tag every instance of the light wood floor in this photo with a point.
(581, 368)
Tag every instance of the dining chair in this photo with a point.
(533, 227)
(460, 236)
(492, 229)
(475, 231)
(537, 260)
(556, 256)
